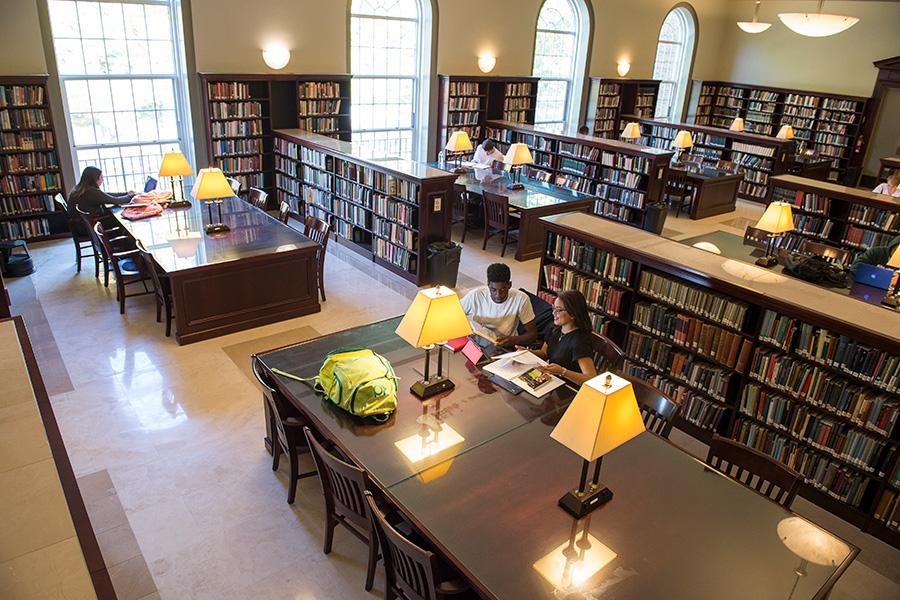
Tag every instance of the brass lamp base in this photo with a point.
(426, 389)
(515, 186)
(214, 228)
(579, 505)
(767, 261)
(180, 204)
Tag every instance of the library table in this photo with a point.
(538, 199)
(888, 164)
(260, 272)
(475, 470)
(715, 189)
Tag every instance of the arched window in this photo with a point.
(674, 53)
(560, 51)
(388, 47)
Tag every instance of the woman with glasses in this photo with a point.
(568, 345)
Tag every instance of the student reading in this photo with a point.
(891, 187)
(500, 309)
(568, 346)
(88, 196)
(485, 153)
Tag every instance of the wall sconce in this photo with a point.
(486, 62)
(623, 67)
(276, 56)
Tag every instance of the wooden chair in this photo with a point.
(607, 354)
(317, 230)
(679, 188)
(258, 198)
(99, 254)
(461, 206)
(284, 212)
(162, 288)
(343, 485)
(411, 572)
(754, 469)
(755, 237)
(235, 185)
(126, 266)
(657, 409)
(80, 238)
(830, 253)
(498, 221)
(285, 427)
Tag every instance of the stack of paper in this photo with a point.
(513, 365)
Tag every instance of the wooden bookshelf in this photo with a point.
(759, 157)
(828, 123)
(806, 375)
(624, 177)
(465, 102)
(840, 216)
(388, 210)
(610, 98)
(242, 110)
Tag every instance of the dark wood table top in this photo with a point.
(178, 243)
(705, 173)
(488, 499)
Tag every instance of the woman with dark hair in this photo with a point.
(88, 196)
(568, 346)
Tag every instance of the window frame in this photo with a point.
(684, 62)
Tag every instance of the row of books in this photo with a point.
(228, 90)
(30, 161)
(350, 170)
(319, 124)
(693, 299)
(870, 216)
(394, 186)
(26, 205)
(317, 177)
(887, 509)
(752, 190)
(820, 345)
(816, 226)
(290, 185)
(249, 180)
(464, 103)
(464, 88)
(397, 211)
(806, 201)
(614, 211)
(462, 118)
(318, 107)
(519, 89)
(27, 140)
(286, 165)
(516, 116)
(396, 233)
(516, 103)
(395, 255)
(14, 184)
(220, 129)
(695, 408)
(319, 89)
(228, 110)
(838, 117)
(24, 229)
(598, 296)
(351, 213)
(236, 147)
(865, 238)
(608, 101)
(23, 118)
(21, 95)
(238, 164)
(356, 192)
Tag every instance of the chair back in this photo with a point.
(235, 185)
(409, 569)
(258, 198)
(107, 250)
(343, 484)
(677, 179)
(278, 404)
(607, 354)
(755, 237)
(150, 267)
(830, 253)
(754, 469)
(657, 409)
(317, 230)
(460, 202)
(496, 210)
(284, 212)
(61, 200)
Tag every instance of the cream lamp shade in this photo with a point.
(894, 260)
(632, 131)
(754, 26)
(174, 164)
(683, 139)
(276, 56)
(603, 416)
(623, 67)
(211, 183)
(486, 62)
(518, 154)
(785, 133)
(811, 543)
(737, 124)
(459, 142)
(434, 316)
(777, 218)
(817, 24)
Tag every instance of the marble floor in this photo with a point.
(167, 440)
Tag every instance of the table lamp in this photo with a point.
(211, 186)
(682, 141)
(517, 155)
(785, 133)
(603, 416)
(894, 263)
(434, 317)
(631, 132)
(458, 143)
(775, 221)
(737, 124)
(175, 166)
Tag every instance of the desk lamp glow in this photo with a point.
(737, 124)
(211, 186)
(517, 155)
(894, 263)
(811, 544)
(458, 143)
(434, 317)
(775, 221)
(603, 416)
(631, 133)
(785, 133)
(682, 142)
(175, 166)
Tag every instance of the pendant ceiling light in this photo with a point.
(817, 24)
(754, 26)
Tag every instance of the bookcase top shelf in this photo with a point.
(570, 135)
(837, 191)
(741, 136)
(831, 309)
(767, 88)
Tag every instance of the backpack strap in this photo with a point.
(305, 380)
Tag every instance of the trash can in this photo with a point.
(655, 217)
(443, 263)
(14, 264)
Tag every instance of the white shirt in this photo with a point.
(883, 188)
(484, 157)
(502, 318)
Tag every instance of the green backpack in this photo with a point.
(359, 381)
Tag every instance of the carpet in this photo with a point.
(240, 353)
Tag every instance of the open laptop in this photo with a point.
(149, 185)
(873, 276)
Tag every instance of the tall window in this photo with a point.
(121, 69)
(674, 52)
(559, 53)
(386, 44)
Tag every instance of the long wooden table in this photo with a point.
(260, 272)
(715, 190)
(476, 472)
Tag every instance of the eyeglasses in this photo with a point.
(556, 310)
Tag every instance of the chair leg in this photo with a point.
(330, 524)
(486, 236)
(292, 486)
(373, 560)
(168, 318)
(77, 257)
(120, 296)
(158, 310)
(276, 452)
(322, 276)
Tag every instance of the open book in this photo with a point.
(520, 368)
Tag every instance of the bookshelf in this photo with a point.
(808, 376)
(758, 156)
(624, 177)
(242, 110)
(829, 123)
(30, 172)
(840, 216)
(388, 210)
(466, 102)
(609, 98)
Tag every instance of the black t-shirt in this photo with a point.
(564, 349)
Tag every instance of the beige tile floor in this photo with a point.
(178, 432)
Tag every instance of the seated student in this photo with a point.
(499, 308)
(88, 196)
(486, 154)
(876, 255)
(583, 130)
(891, 187)
(568, 346)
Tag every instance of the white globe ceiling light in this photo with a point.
(276, 56)
(754, 26)
(817, 24)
